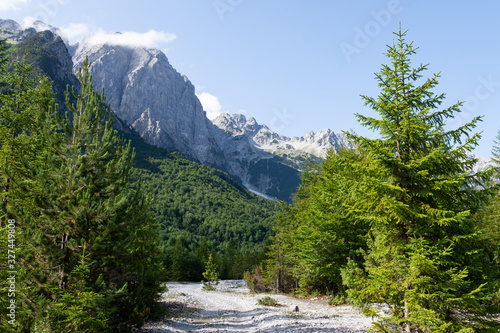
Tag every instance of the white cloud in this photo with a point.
(75, 31)
(6, 5)
(210, 104)
(71, 33)
(33, 22)
(152, 38)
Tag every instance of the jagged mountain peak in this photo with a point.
(316, 144)
(152, 98)
(237, 124)
(10, 25)
(16, 33)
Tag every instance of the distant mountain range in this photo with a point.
(150, 98)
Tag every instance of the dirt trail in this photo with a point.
(232, 309)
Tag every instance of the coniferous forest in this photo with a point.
(93, 221)
(401, 220)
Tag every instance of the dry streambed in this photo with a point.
(232, 309)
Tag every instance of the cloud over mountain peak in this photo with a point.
(151, 38)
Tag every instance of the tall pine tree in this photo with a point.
(427, 259)
(89, 256)
(25, 108)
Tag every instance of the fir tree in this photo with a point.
(211, 274)
(427, 260)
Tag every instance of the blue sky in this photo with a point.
(297, 65)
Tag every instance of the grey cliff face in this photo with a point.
(152, 98)
(149, 97)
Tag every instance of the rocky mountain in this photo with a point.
(49, 56)
(150, 98)
(295, 150)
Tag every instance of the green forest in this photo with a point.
(201, 211)
(400, 221)
(94, 221)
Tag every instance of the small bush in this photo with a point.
(208, 287)
(255, 282)
(267, 301)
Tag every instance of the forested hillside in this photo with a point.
(200, 210)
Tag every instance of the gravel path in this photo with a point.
(232, 309)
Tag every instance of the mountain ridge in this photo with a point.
(151, 98)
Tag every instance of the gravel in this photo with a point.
(231, 308)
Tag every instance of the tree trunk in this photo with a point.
(407, 327)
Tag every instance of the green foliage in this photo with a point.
(255, 282)
(4, 59)
(426, 257)
(338, 299)
(490, 219)
(267, 301)
(318, 234)
(198, 210)
(211, 275)
(80, 309)
(4, 287)
(23, 114)
(66, 181)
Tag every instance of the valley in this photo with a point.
(232, 309)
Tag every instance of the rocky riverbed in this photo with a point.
(231, 308)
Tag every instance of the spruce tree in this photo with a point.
(211, 274)
(426, 260)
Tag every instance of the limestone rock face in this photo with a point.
(152, 98)
(149, 97)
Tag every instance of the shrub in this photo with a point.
(255, 282)
(338, 299)
(267, 301)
